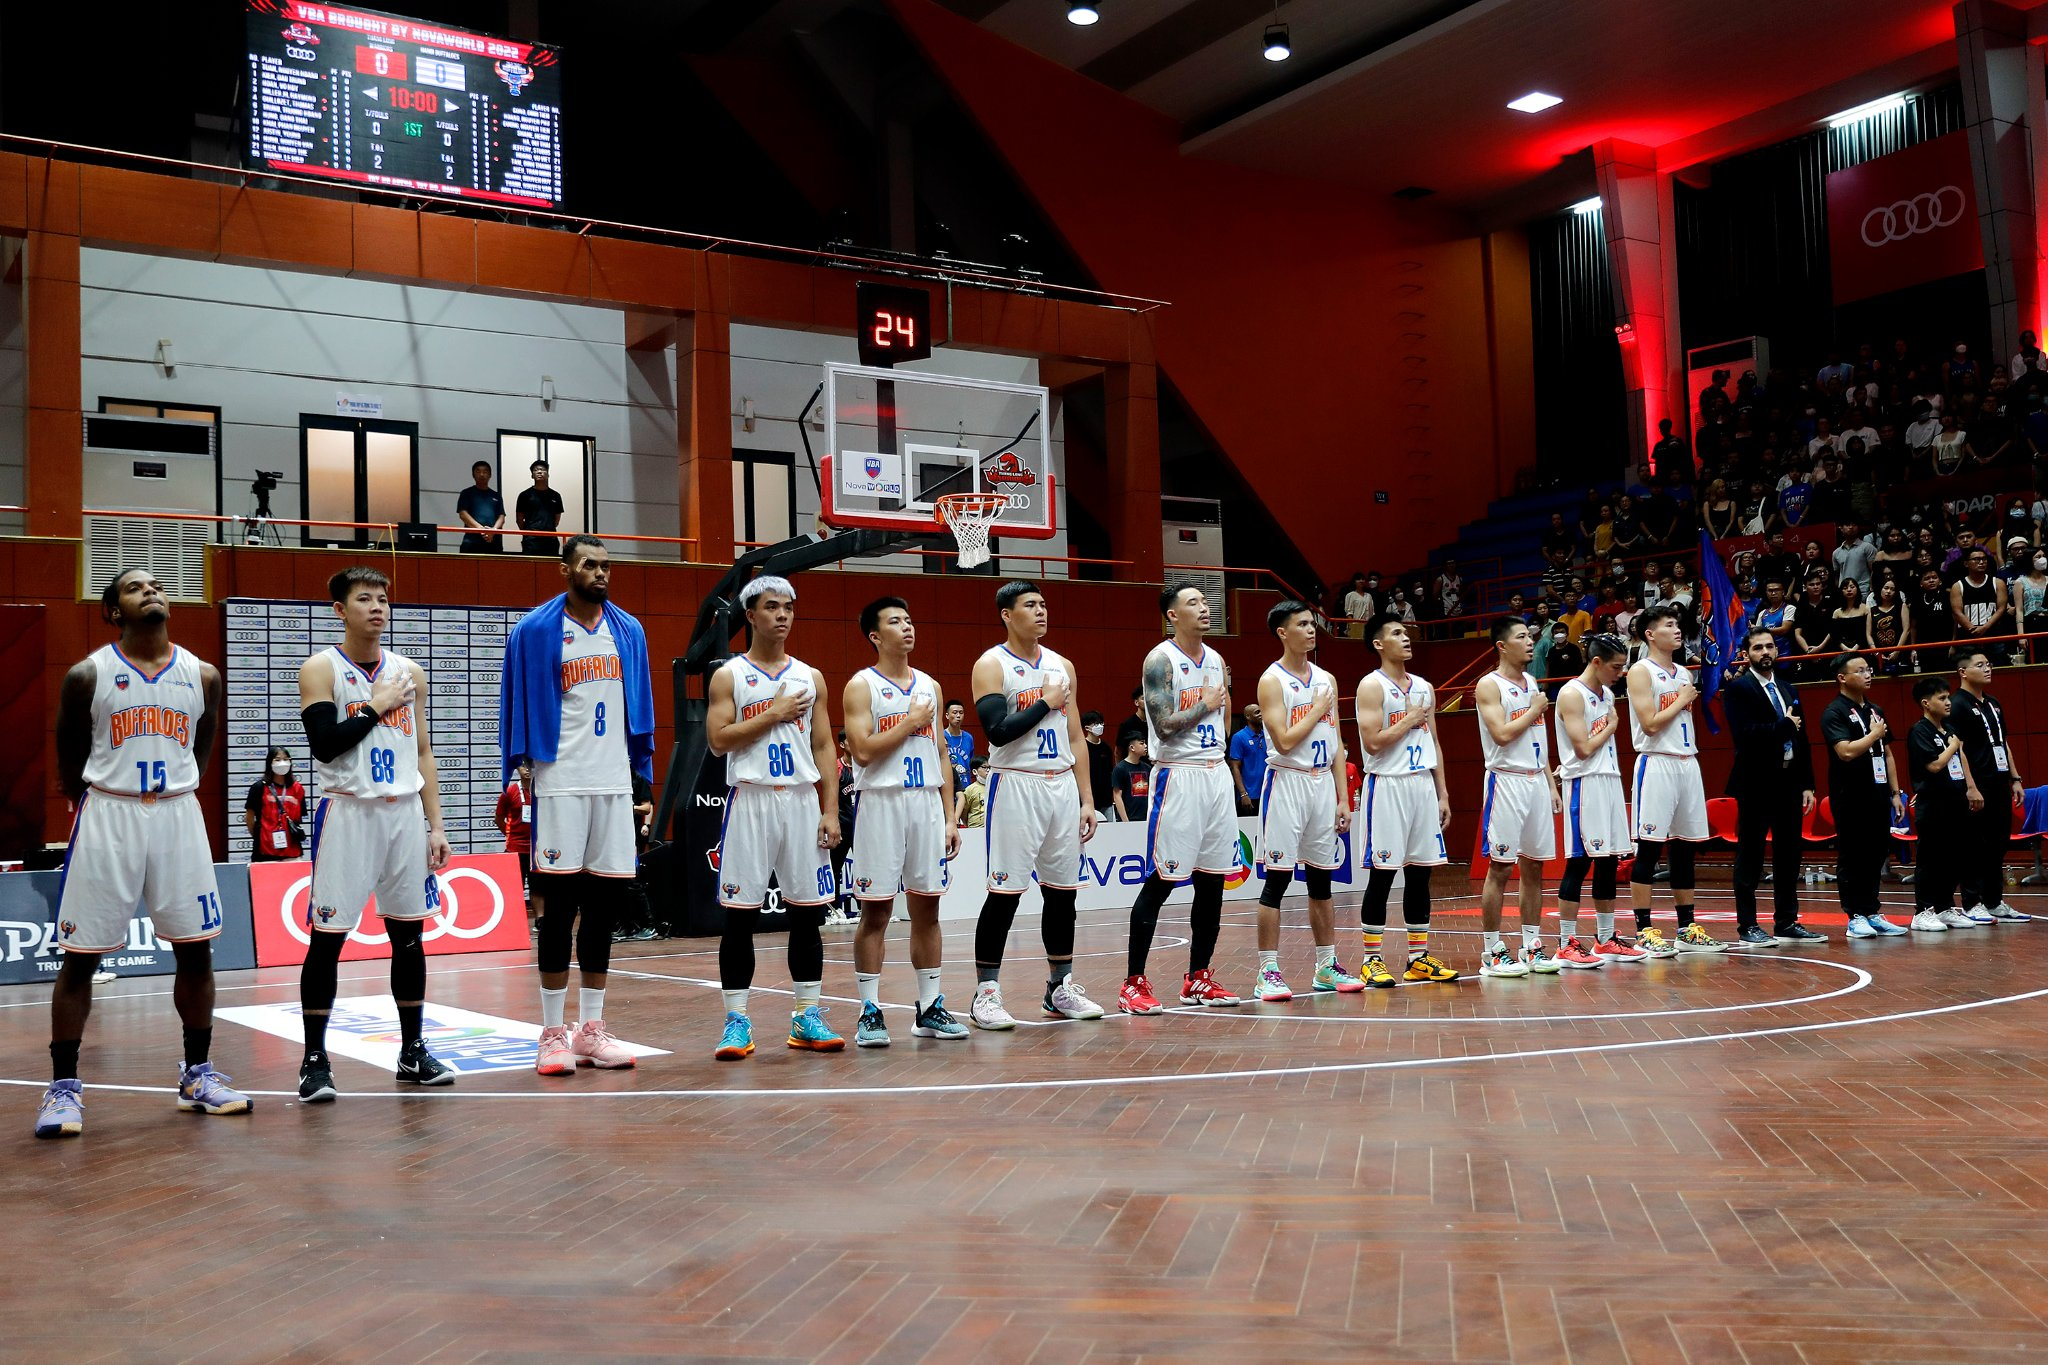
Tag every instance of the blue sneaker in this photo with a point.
(933, 1021)
(202, 1090)
(62, 1112)
(808, 1031)
(737, 1040)
(1884, 927)
(871, 1031)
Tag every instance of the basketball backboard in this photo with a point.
(897, 440)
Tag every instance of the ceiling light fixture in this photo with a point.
(1535, 102)
(1277, 48)
(1870, 110)
(1587, 205)
(1082, 13)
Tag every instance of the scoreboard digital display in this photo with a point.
(374, 99)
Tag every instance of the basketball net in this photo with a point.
(969, 516)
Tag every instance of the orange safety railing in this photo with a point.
(995, 552)
(388, 526)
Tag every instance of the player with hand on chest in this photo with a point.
(1518, 802)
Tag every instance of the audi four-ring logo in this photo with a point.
(291, 907)
(1904, 218)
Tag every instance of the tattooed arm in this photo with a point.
(1162, 699)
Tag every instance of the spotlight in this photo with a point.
(1082, 13)
(1535, 102)
(1587, 205)
(1277, 48)
(1870, 110)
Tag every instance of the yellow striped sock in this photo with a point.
(1372, 940)
(1418, 942)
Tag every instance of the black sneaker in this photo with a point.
(421, 1067)
(316, 1080)
(1750, 936)
(1800, 936)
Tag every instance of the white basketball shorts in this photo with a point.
(1401, 825)
(1192, 824)
(899, 843)
(131, 853)
(1596, 818)
(1298, 819)
(585, 834)
(772, 831)
(1671, 798)
(364, 846)
(1515, 817)
(1033, 827)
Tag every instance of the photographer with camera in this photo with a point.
(483, 510)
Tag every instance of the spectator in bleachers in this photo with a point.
(1830, 496)
(1359, 603)
(1559, 539)
(1518, 604)
(1795, 495)
(1546, 640)
(1812, 560)
(1835, 374)
(1932, 623)
(1565, 661)
(1589, 516)
(1576, 619)
(1978, 604)
(1854, 554)
(1852, 619)
(2030, 595)
(1450, 590)
(1891, 626)
(1717, 510)
(1542, 618)
(1952, 563)
(2028, 359)
(1920, 433)
(1823, 442)
(1669, 458)
(1777, 561)
(1557, 577)
(1628, 528)
(1895, 550)
(1602, 539)
(1759, 509)
(2017, 525)
(1649, 585)
(1959, 371)
(1678, 589)
(1950, 450)
(1777, 615)
(1401, 607)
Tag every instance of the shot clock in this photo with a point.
(374, 99)
(895, 323)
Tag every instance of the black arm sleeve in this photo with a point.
(331, 738)
(643, 791)
(1000, 725)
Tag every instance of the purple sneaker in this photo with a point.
(202, 1090)
(62, 1113)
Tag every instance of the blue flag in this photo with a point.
(1722, 620)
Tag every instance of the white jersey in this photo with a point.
(1416, 753)
(782, 757)
(915, 763)
(143, 724)
(387, 761)
(1318, 748)
(1675, 740)
(1045, 748)
(590, 759)
(1202, 741)
(1524, 754)
(1600, 725)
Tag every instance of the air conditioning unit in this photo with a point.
(150, 464)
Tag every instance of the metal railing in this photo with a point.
(391, 528)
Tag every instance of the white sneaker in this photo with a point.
(1539, 960)
(103, 976)
(2005, 914)
(987, 1011)
(1956, 919)
(1929, 922)
(1068, 1001)
(1500, 962)
(1979, 915)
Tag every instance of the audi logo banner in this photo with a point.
(482, 909)
(1903, 219)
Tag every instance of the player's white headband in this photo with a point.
(766, 583)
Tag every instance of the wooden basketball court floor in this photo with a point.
(1838, 1154)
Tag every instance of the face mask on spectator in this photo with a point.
(281, 768)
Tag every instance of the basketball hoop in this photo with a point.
(969, 516)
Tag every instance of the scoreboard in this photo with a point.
(462, 650)
(373, 99)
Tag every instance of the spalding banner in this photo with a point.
(28, 930)
(1903, 219)
(482, 909)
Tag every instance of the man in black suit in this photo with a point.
(1772, 783)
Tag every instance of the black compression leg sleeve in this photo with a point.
(1144, 920)
(561, 896)
(599, 901)
(408, 975)
(1605, 870)
(317, 981)
(992, 931)
(1317, 880)
(1206, 920)
(1372, 911)
(806, 944)
(1056, 923)
(1644, 874)
(1415, 898)
(1574, 879)
(1275, 887)
(735, 948)
(1681, 879)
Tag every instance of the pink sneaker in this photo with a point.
(1573, 954)
(593, 1045)
(554, 1057)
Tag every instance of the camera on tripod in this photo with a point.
(266, 480)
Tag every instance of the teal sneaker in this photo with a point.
(870, 1032)
(808, 1031)
(1332, 977)
(737, 1040)
(934, 1021)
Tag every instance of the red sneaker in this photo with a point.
(1200, 988)
(1617, 951)
(1574, 954)
(1136, 997)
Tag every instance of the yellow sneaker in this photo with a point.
(1374, 970)
(1427, 968)
(1694, 938)
(1653, 942)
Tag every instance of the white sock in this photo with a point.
(1603, 921)
(1568, 928)
(927, 986)
(1269, 962)
(1326, 955)
(735, 1001)
(589, 1004)
(870, 987)
(1532, 935)
(1493, 940)
(552, 1003)
(806, 993)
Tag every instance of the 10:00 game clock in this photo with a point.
(374, 99)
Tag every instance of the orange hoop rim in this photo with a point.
(984, 504)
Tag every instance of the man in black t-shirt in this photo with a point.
(1979, 721)
(1942, 808)
(1131, 781)
(1134, 724)
(1863, 793)
(480, 508)
(539, 509)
